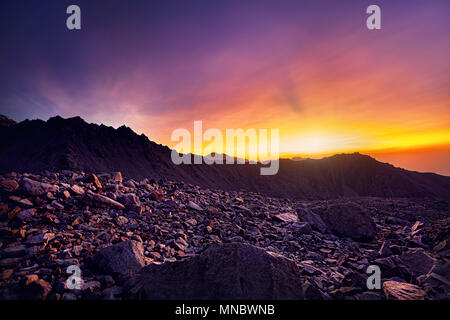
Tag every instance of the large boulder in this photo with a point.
(350, 220)
(314, 220)
(223, 271)
(123, 258)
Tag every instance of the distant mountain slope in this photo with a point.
(34, 146)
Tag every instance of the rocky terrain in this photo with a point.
(159, 239)
(73, 144)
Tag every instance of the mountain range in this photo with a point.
(58, 144)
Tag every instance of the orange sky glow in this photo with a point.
(315, 72)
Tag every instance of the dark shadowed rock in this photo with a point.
(395, 220)
(34, 289)
(286, 217)
(42, 235)
(226, 271)
(385, 251)
(25, 214)
(92, 178)
(350, 220)
(418, 263)
(313, 219)
(9, 184)
(76, 145)
(194, 206)
(131, 202)
(123, 258)
(77, 189)
(6, 122)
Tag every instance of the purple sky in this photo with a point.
(160, 65)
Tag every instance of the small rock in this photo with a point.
(314, 220)
(121, 220)
(92, 178)
(385, 251)
(14, 251)
(37, 289)
(117, 177)
(90, 285)
(301, 228)
(77, 189)
(66, 194)
(131, 202)
(418, 263)
(225, 271)
(99, 201)
(286, 217)
(36, 188)
(40, 238)
(25, 214)
(9, 184)
(123, 258)
(69, 296)
(194, 206)
(395, 290)
(350, 220)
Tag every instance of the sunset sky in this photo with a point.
(308, 68)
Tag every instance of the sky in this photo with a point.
(311, 69)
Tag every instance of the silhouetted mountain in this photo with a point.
(5, 121)
(56, 144)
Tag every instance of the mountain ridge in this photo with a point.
(72, 143)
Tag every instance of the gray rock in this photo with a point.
(77, 189)
(69, 296)
(36, 188)
(40, 238)
(350, 220)
(99, 201)
(123, 258)
(395, 290)
(131, 202)
(313, 219)
(385, 251)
